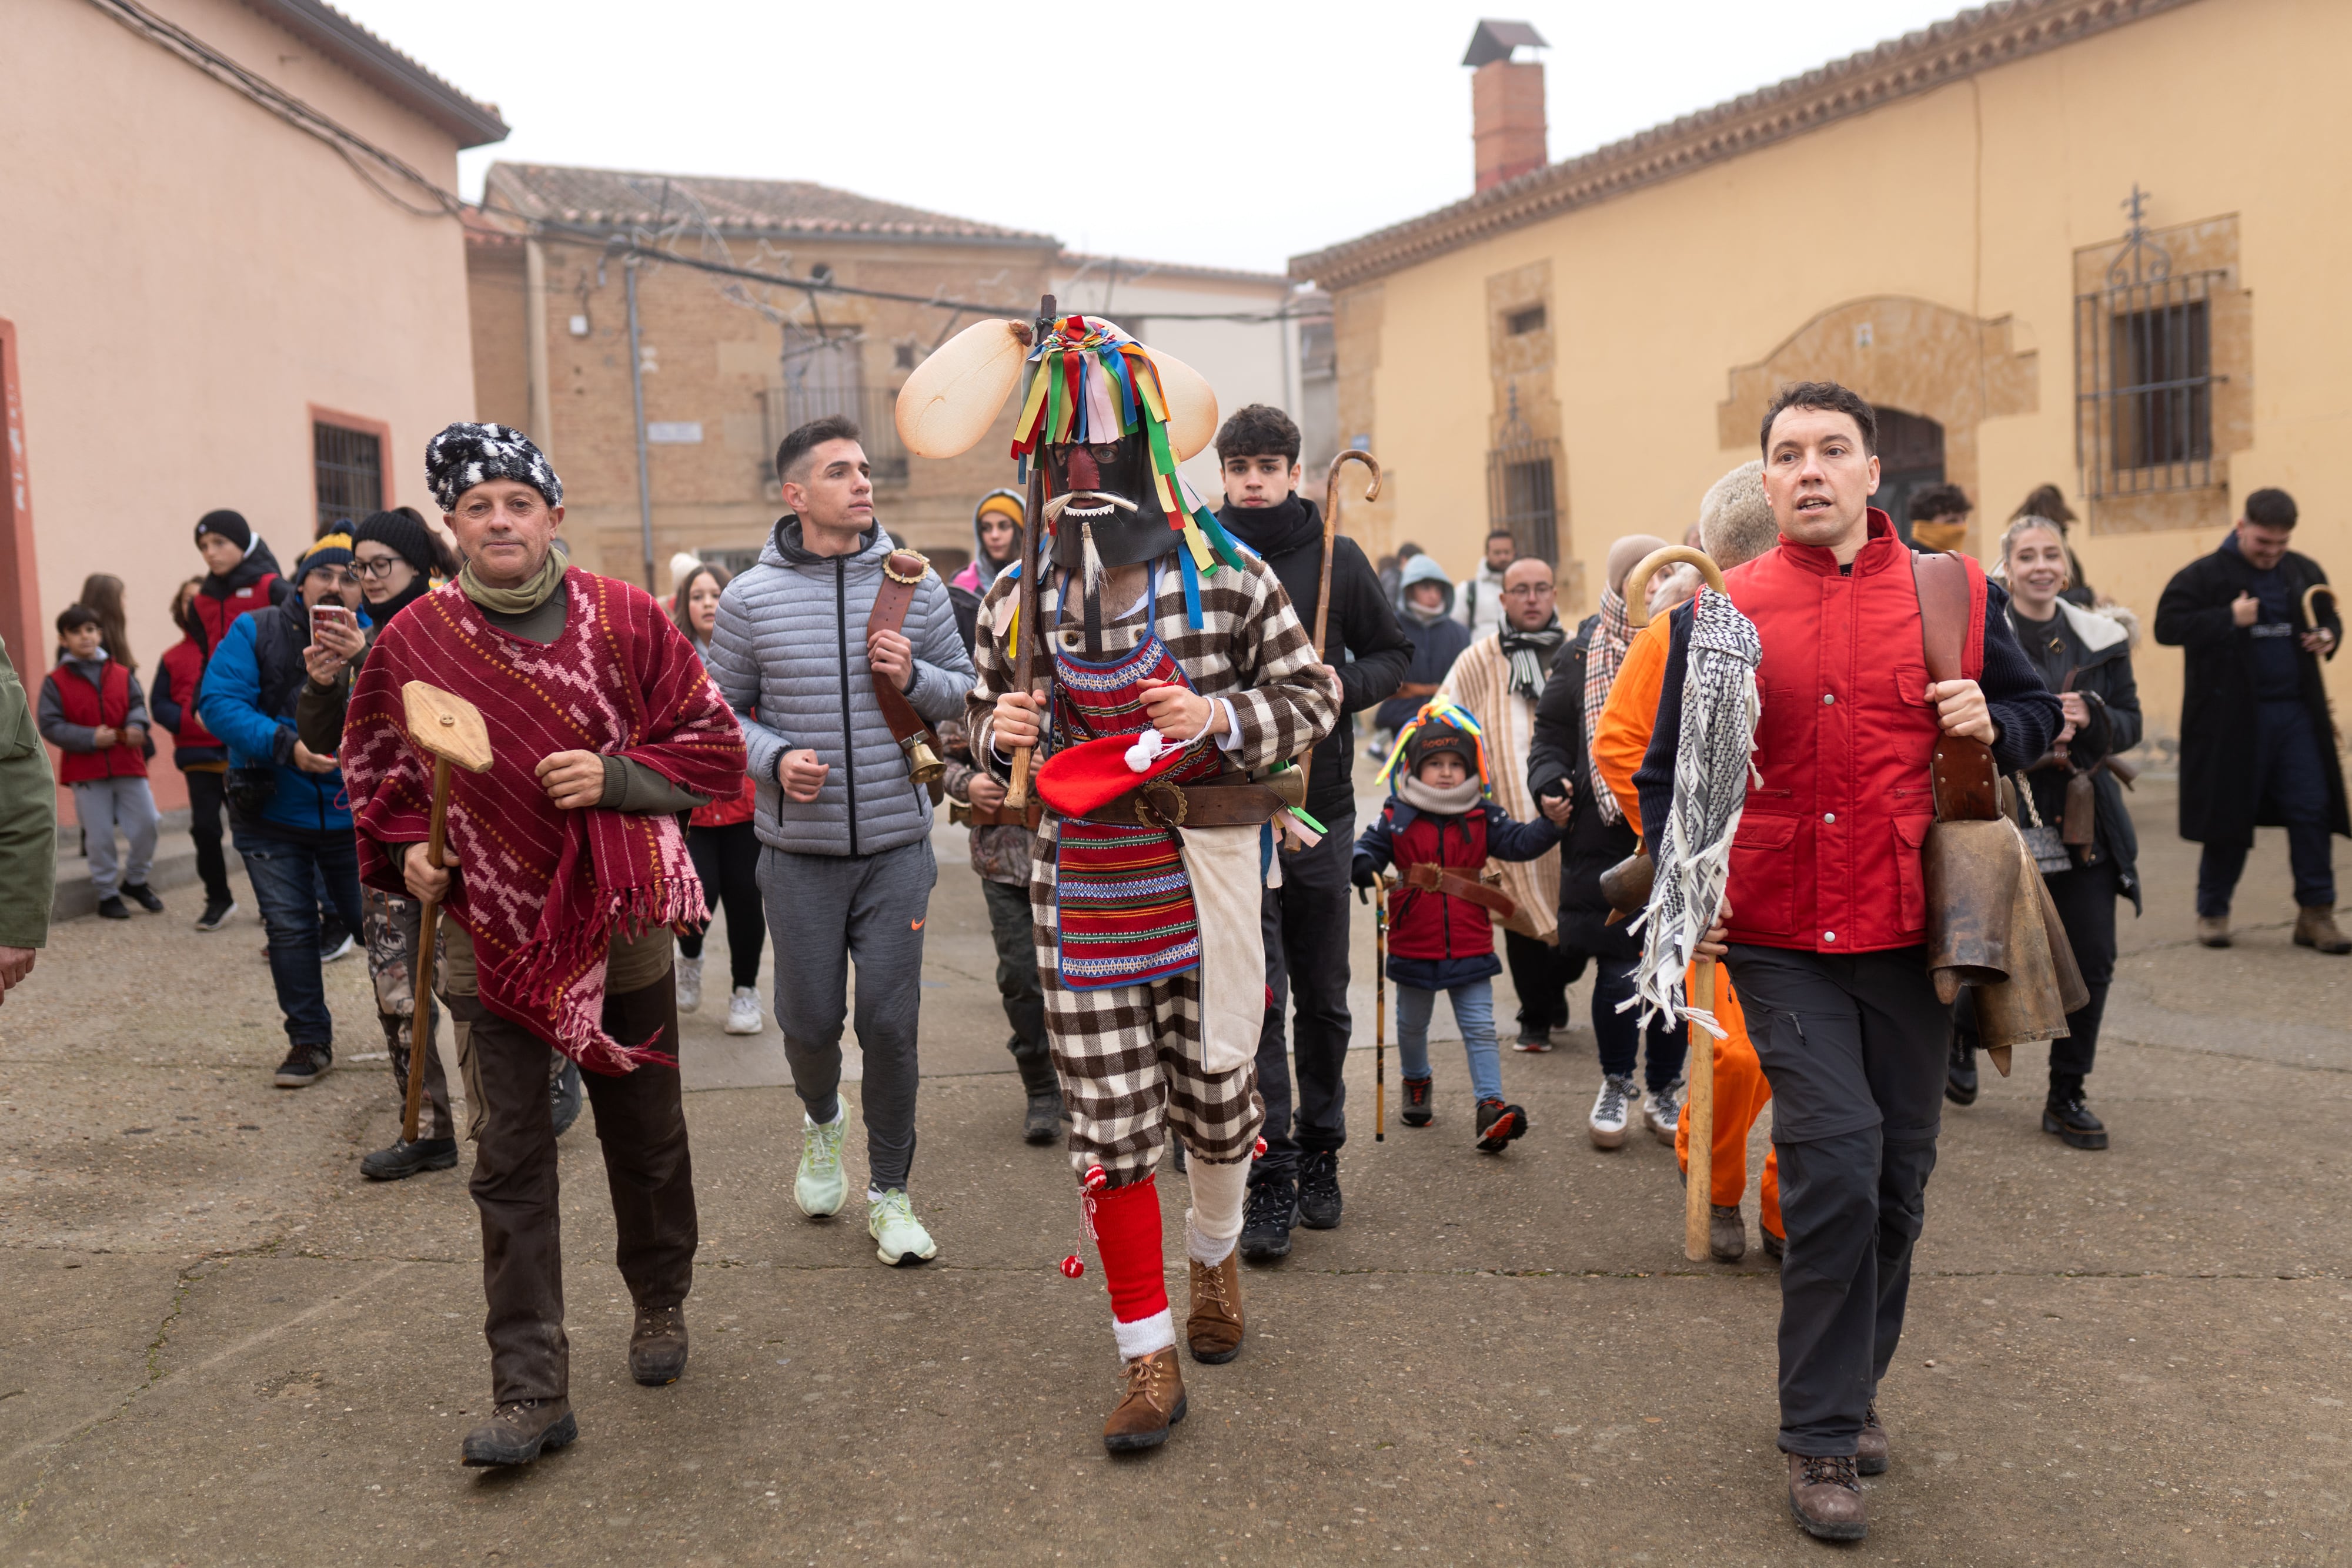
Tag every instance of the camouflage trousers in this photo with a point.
(391, 934)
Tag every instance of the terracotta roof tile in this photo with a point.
(612, 198)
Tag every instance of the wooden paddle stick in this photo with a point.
(1330, 548)
(450, 729)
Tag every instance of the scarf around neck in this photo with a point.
(1602, 659)
(1438, 802)
(1532, 653)
(520, 600)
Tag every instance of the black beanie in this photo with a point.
(403, 535)
(230, 526)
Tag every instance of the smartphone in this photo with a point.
(329, 615)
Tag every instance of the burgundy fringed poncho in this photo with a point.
(543, 891)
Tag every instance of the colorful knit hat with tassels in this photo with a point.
(1438, 716)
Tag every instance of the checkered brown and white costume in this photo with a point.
(1129, 1056)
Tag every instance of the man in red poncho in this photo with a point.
(566, 872)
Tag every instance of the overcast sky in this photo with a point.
(1223, 132)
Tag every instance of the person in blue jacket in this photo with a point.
(289, 816)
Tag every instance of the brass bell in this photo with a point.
(923, 764)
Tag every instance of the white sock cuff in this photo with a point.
(1206, 1251)
(1145, 1335)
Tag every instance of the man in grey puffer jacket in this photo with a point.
(846, 863)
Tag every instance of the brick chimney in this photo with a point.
(1507, 101)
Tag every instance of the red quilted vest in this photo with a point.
(185, 660)
(216, 615)
(1827, 855)
(107, 703)
(1427, 925)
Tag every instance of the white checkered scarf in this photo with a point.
(1603, 657)
(1712, 764)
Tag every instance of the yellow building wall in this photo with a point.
(1970, 200)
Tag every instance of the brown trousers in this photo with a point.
(640, 1122)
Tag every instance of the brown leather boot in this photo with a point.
(1214, 1329)
(1872, 1450)
(520, 1431)
(2213, 931)
(1826, 1497)
(1727, 1233)
(2315, 926)
(1154, 1401)
(657, 1345)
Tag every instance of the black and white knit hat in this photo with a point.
(465, 456)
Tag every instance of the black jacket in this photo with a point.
(1368, 647)
(2104, 677)
(2219, 801)
(1556, 751)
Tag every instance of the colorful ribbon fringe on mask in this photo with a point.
(1445, 711)
(1095, 384)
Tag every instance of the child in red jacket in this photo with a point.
(1440, 828)
(93, 711)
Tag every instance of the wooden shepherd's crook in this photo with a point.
(451, 729)
(1032, 569)
(1330, 548)
(1698, 1105)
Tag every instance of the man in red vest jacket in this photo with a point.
(1824, 923)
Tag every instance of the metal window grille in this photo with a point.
(347, 466)
(824, 374)
(1521, 488)
(2143, 373)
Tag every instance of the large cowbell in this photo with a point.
(1089, 480)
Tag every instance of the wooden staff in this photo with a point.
(1032, 568)
(1381, 1011)
(450, 729)
(1698, 1104)
(1330, 548)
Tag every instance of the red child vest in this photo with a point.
(1827, 855)
(107, 703)
(216, 615)
(1423, 924)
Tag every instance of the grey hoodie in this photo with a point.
(790, 645)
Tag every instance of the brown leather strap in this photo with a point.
(1432, 878)
(999, 816)
(1228, 800)
(1966, 784)
(902, 573)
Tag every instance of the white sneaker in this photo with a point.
(820, 1188)
(1662, 1110)
(689, 984)
(1608, 1112)
(899, 1238)
(744, 1011)
(343, 949)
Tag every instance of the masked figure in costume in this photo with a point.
(1178, 676)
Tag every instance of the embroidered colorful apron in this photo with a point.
(1122, 904)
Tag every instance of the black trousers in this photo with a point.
(1542, 973)
(1854, 1050)
(2289, 785)
(728, 861)
(205, 804)
(1305, 923)
(2085, 898)
(641, 1125)
(1012, 923)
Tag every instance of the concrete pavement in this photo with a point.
(228, 1349)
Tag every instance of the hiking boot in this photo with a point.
(304, 1065)
(520, 1431)
(403, 1159)
(1417, 1112)
(1727, 1233)
(563, 1093)
(111, 908)
(1318, 1190)
(1041, 1119)
(1661, 1110)
(690, 982)
(1776, 1247)
(744, 1011)
(1827, 1499)
(1608, 1112)
(2315, 926)
(1213, 1331)
(1151, 1401)
(820, 1188)
(2213, 931)
(657, 1345)
(1498, 1124)
(2065, 1114)
(1872, 1451)
(1960, 1072)
(1266, 1219)
(217, 914)
(143, 897)
(899, 1238)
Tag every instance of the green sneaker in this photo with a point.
(820, 1188)
(890, 1218)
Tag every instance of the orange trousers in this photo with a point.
(1740, 1095)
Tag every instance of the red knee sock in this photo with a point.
(1126, 1223)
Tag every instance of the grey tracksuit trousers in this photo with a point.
(826, 912)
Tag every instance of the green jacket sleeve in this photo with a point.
(28, 820)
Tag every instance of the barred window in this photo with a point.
(1522, 496)
(347, 467)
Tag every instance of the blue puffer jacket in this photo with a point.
(248, 701)
(790, 645)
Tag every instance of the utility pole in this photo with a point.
(638, 395)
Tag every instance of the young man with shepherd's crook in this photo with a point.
(566, 871)
(1823, 924)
